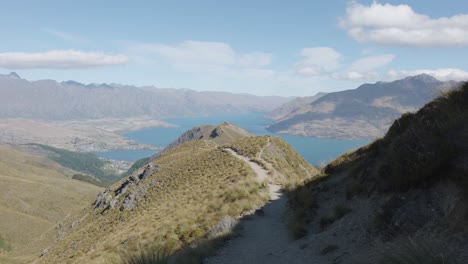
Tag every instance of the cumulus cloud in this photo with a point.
(371, 62)
(446, 74)
(318, 61)
(389, 24)
(59, 59)
(203, 55)
(364, 68)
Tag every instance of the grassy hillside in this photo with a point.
(177, 201)
(401, 199)
(35, 194)
(418, 150)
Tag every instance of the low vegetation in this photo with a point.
(135, 166)
(4, 245)
(81, 162)
(92, 180)
(151, 255)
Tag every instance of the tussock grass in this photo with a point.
(151, 255)
(199, 184)
(419, 252)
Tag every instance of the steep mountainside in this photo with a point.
(365, 112)
(401, 199)
(193, 192)
(297, 106)
(35, 195)
(48, 99)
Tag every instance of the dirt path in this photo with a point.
(260, 153)
(261, 173)
(265, 238)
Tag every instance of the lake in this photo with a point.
(315, 150)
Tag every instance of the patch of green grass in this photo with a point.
(92, 180)
(135, 166)
(82, 162)
(4, 245)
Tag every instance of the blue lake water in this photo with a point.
(314, 150)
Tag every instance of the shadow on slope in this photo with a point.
(401, 199)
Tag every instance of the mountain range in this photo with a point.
(49, 99)
(220, 195)
(362, 113)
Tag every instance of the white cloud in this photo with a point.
(400, 25)
(446, 74)
(204, 56)
(364, 68)
(59, 59)
(355, 76)
(64, 35)
(371, 62)
(318, 61)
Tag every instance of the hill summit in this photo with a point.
(192, 193)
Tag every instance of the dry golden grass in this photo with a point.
(198, 186)
(35, 194)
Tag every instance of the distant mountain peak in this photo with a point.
(71, 82)
(14, 75)
(220, 134)
(423, 77)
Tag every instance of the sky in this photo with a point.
(262, 47)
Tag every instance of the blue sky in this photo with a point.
(260, 47)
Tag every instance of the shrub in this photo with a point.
(151, 255)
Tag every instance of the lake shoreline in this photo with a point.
(315, 150)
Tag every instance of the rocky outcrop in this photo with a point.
(132, 189)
